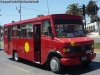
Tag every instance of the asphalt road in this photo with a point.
(10, 67)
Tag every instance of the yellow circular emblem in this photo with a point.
(26, 47)
(72, 43)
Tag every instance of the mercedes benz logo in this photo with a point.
(83, 48)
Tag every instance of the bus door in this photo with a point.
(37, 42)
(9, 41)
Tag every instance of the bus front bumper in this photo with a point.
(77, 60)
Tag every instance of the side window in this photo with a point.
(46, 28)
(14, 31)
(27, 30)
(24, 30)
(18, 30)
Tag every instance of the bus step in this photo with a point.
(37, 62)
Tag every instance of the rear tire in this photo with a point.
(15, 56)
(55, 65)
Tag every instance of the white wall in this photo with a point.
(92, 26)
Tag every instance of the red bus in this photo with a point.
(54, 40)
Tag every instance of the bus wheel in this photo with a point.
(16, 58)
(55, 65)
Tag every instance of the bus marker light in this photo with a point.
(72, 43)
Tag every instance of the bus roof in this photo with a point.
(56, 16)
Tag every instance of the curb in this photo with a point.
(96, 50)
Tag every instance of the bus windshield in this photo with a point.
(69, 30)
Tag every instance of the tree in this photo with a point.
(74, 9)
(92, 10)
(94, 18)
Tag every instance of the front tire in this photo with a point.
(55, 65)
(15, 56)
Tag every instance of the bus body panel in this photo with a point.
(76, 60)
(46, 46)
(6, 44)
(19, 45)
(16, 45)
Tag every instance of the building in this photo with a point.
(92, 27)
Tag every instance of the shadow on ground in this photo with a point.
(72, 70)
(79, 69)
(29, 63)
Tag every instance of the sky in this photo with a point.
(31, 10)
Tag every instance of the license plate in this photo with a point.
(88, 51)
(84, 58)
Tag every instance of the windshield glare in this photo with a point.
(69, 30)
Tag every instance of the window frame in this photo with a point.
(14, 30)
(47, 27)
(26, 27)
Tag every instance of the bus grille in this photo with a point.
(81, 48)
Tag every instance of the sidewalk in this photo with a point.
(97, 50)
(94, 35)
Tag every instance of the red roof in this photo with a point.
(58, 16)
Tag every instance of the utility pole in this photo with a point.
(19, 10)
(48, 7)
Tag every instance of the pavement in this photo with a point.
(97, 50)
(93, 35)
(25, 67)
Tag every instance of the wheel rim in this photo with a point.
(54, 65)
(16, 56)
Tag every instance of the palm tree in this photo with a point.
(94, 18)
(92, 9)
(74, 9)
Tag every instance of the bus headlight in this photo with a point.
(66, 50)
